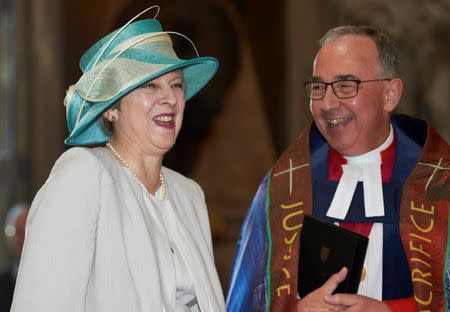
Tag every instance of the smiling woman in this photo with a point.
(130, 234)
(150, 117)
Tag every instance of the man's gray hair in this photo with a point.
(387, 51)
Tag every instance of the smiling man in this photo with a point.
(359, 166)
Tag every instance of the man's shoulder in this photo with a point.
(306, 144)
(412, 127)
(420, 132)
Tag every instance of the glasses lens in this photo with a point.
(315, 90)
(345, 88)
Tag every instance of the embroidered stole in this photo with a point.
(423, 223)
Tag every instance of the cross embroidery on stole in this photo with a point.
(290, 170)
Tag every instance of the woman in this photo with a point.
(111, 229)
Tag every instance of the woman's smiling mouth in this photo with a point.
(165, 120)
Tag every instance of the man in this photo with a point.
(15, 233)
(358, 165)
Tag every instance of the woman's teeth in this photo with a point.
(163, 118)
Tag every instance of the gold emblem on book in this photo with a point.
(363, 275)
(324, 253)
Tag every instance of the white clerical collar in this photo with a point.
(365, 168)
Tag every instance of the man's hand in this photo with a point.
(314, 301)
(357, 303)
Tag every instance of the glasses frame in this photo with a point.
(357, 81)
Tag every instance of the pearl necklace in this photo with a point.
(135, 177)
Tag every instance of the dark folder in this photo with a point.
(326, 248)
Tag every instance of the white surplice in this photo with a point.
(365, 168)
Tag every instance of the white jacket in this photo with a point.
(93, 245)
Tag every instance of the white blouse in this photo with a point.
(186, 299)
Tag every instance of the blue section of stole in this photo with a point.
(248, 285)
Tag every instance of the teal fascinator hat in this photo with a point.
(119, 63)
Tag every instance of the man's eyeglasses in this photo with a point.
(343, 89)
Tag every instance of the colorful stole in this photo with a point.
(265, 268)
(424, 223)
(290, 200)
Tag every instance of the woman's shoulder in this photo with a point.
(76, 156)
(79, 161)
(179, 181)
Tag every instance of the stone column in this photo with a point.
(305, 23)
(235, 157)
(45, 87)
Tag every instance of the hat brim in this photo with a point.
(197, 73)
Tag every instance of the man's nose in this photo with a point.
(329, 100)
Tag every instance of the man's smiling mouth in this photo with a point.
(333, 122)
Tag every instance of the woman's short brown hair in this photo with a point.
(106, 125)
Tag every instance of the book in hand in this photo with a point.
(324, 249)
